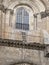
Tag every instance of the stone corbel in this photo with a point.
(44, 14)
(47, 11)
(4, 9)
(11, 12)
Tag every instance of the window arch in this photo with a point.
(22, 19)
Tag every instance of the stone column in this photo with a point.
(7, 20)
(39, 22)
(47, 24)
(10, 25)
(7, 17)
(3, 24)
(35, 22)
(0, 23)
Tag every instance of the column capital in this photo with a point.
(35, 15)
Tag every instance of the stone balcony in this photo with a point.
(27, 36)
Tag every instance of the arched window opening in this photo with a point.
(22, 19)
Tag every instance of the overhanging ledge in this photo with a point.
(21, 44)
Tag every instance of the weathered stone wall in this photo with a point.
(15, 55)
(10, 55)
(36, 24)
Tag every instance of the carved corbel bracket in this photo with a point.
(4, 9)
(44, 14)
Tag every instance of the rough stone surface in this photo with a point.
(10, 55)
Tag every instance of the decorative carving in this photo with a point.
(21, 44)
(44, 14)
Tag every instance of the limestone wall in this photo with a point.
(16, 55)
(10, 55)
(7, 22)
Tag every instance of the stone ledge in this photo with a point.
(21, 44)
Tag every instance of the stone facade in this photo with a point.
(38, 22)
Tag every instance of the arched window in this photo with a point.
(22, 19)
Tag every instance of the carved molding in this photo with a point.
(21, 44)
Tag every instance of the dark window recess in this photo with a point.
(22, 19)
(22, 26)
